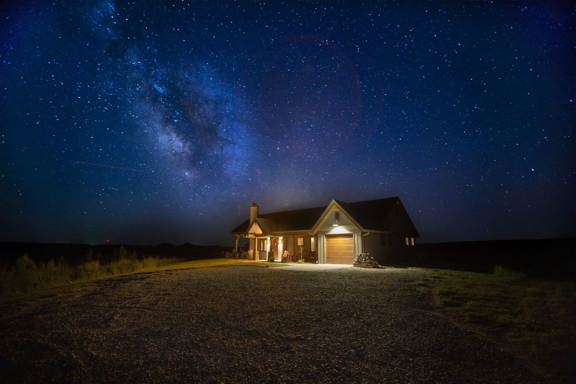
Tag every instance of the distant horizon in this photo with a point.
(231, 242)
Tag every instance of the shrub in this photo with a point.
(6, 278)
(118, 267)
(506, 273)
(150, 262)
(90, 270)
(51, 274)
(25, 276)
(25, 264)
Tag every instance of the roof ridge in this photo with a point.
(293, 210)
(372, 200)
(336, 200)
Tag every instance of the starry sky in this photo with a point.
(151, 121)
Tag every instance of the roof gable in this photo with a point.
(255, 229)
(334, 206)
(294, 220)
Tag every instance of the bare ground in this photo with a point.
(247, 324)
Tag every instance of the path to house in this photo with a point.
(247, 325)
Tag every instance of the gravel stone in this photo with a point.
(247, 325)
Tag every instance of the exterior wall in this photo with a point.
(290, 244)
(390, 248)
(400, 226)
(375, 245)
(358, 248)
(387, 249)
(321, 248)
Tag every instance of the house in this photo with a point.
(335, 233)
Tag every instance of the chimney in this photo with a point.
(253, 212)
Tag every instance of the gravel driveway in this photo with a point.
(247, 325)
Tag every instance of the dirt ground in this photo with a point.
(247, 325)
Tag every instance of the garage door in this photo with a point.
(339, 249)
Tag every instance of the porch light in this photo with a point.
(339, 229)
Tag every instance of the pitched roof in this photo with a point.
(373, 214)
(298, 219)
(370, 214)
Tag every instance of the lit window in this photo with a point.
(412, 241)
(313, 244)
(407, 241)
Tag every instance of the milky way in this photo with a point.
(162, 121)
(193, 120)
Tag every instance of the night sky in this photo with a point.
(145, 123)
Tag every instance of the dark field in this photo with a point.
(541, 258)
(249, 324)
(535, 319)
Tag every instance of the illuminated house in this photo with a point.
(331, 234)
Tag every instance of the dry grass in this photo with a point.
(27, 278)
(534, 319)
(209, 263)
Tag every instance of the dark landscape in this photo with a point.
(192, 320)
(199, 325)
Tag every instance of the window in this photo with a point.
(312, 244)
(407, 241)
(261, 244)
(412, 241)
(301, 241)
